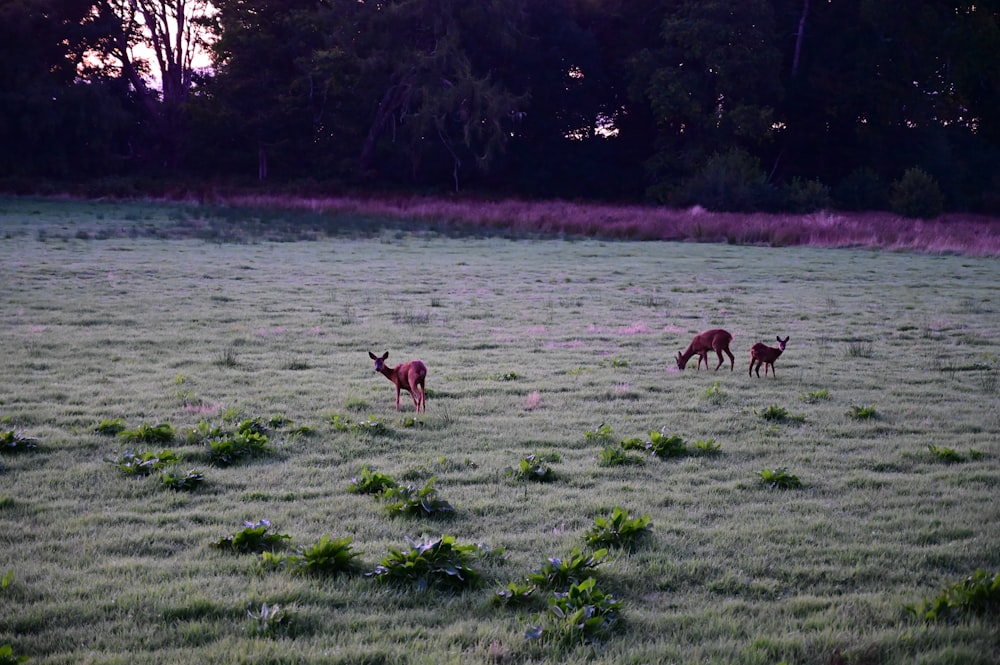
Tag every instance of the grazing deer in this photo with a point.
(711, 340)
(405, 376)
(762, 353)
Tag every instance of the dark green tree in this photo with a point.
(58, 117)
(712, 85)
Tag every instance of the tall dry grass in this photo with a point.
(973, 235)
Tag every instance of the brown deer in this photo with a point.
(405, 376)
(711, 340)
(762, 353)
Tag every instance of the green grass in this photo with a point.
(520, 337)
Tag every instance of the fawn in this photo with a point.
(405, 376)
(711, 340)
(762, 353)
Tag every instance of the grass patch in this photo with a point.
(120, 569)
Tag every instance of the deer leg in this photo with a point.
(732, 360)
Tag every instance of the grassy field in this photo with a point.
(886, 407)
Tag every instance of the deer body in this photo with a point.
(711, 340)
(407, 376)
(762, 353)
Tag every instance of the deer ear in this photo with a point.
(371, 355)
(385, 355)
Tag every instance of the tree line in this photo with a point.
(752, 105)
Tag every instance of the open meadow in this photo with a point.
(134, 333)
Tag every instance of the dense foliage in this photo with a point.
(763, 105)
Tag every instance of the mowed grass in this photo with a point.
(530, 345)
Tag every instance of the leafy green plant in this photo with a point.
(778, 414)
(143, 464)
(7, 656)
(945, 454)
(779, 479)
(7, 580)
(14, 441)
(515, 594)
(110, 426)
(371, 482)
(146, 433)
(661, 445)
(270, 621)
(371, 425)
(533, 467)
(616, 456)
(774, 413)
(977, 594)
(583, 614)
(714, 393)
(253, 538)
(241, 445)
(600, 434)
(814, 396)
(863, 412)
(412, 501)
(428, 563)
(506, 376)
(328, 556)
(618, 529)
(182, 481)
(706, 446)
(559, 574)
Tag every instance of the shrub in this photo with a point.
(779, 479)
(977, 594)
(804, 196)
(559, 574)
(729, 182)
(253, 538)
(430, 563)
(916, 194)
(583, 614)
(862, 189)
(618, 529)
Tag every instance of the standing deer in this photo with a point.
(405, 376)
(711, 340)
(762, 353)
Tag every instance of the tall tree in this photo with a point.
(713, 84)
(432, 75)
(154, 44)
(57, 117)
